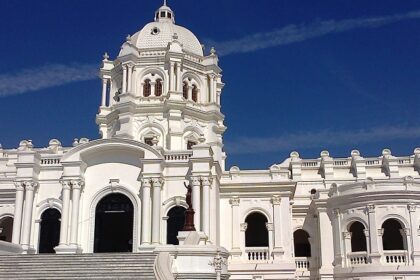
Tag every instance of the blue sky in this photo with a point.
(300, 74)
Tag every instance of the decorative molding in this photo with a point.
(276, 200)
(244, 226)
(235, 201)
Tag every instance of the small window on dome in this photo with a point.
(190, 144)
(195, 93)
(162, 14)
(147, 88)
(158, 87)
(169, 15)
(185, 90)
(148, 141)
(155, 31)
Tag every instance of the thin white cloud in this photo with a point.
(47, 76)
(298, 33)
(320, 139)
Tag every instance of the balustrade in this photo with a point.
(395, 257)
(257, 254)
(302, 263)
(357, 258)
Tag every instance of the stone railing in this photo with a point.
(357, 258)
(257, 254)
(50, 161)
(395, 257)
(302, 263)
(178, 156)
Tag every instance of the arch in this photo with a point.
(193, 79)
(103, 193)
(185, 90)
(358, 238)
(147, 88)
(259, 210)
(392, 238)
(150, 130)
(49, 233)
(175, 222)
(114, 221)
(301, 243)
(194, 95)
(152, 73)
(158, 87)
(6, 228)
(256, 234)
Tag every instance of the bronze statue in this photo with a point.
(189, 213)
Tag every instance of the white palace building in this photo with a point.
(116, 205)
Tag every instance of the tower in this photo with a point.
(163, 90)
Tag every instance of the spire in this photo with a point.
(164, 14)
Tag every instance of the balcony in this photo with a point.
(395, 257)
(302, 263)
(257, 254)
(357, 258)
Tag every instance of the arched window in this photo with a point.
(49, 235)
(158, 87)
(147, 88)
(256, 234)
(176, 220)
(6, 229)
(358, 238)
(392, 238)
(301, 242)
(194, 93)
(185, 90)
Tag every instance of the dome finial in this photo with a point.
(164, 3)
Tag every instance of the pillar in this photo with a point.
(65, 194)
(196, 197)
(211, 87)
(236, 224)
(145, 212)
(104, 85)
(243, 228)
(270, 230)
(129, 79)
(124, 79)
(375, 241)
(178, 78)
(190, 88)
(347, 247)
(152, 88)
(172, 76)
(325, 239)
(415, 240)
(27, 218)
(339, 252)
(278, 250)
(206, 181)
(17, 219)
(76, 190)
(157, 186)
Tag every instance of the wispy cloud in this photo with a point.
(47, 76)
(297, 33)
(322, 139)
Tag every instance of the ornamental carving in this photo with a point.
(157, 182)
(370, 208)
(412, 207)
(206, 181)
(195, 181)
(346, 235)
(77, 184)
(146, 182)
(269, 226)
(234, 201)
(244, 226)
(19, 186)
(275, 200)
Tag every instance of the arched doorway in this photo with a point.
(49, 234)
(392, 238)
(6, 229)
(301, 242)
(176, 220)
(358, 238)
(114, 224)
(256, 234)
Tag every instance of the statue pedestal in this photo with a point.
(192, 238)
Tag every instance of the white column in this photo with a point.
(414, 233)
(243, 227)
(129, 80)
(196, 198)
(124, 79)
(270, 239)
(27, 218)
(76, 189)
(157, 186)
(278, 250)
(104, 84)
(178, 78)
(339, 252)
(375, 241)
(17, 219)
(325, 240)
(189, 93)
(211, 87)
(172, 77)
(347, 247)
(145, 212)
(206, 181)
(236, 224)
(65, 213)
(152, 88)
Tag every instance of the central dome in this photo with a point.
(159, 33)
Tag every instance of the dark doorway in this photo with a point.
(49, 235)
(301, 242)
(256, 234)
(114, 224)
(6, 229)
(358, 238)
(392, 238)
(176, 220)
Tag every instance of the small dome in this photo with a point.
(159, 33)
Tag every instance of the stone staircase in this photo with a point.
(82, 266)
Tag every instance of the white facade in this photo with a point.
(161, 127)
